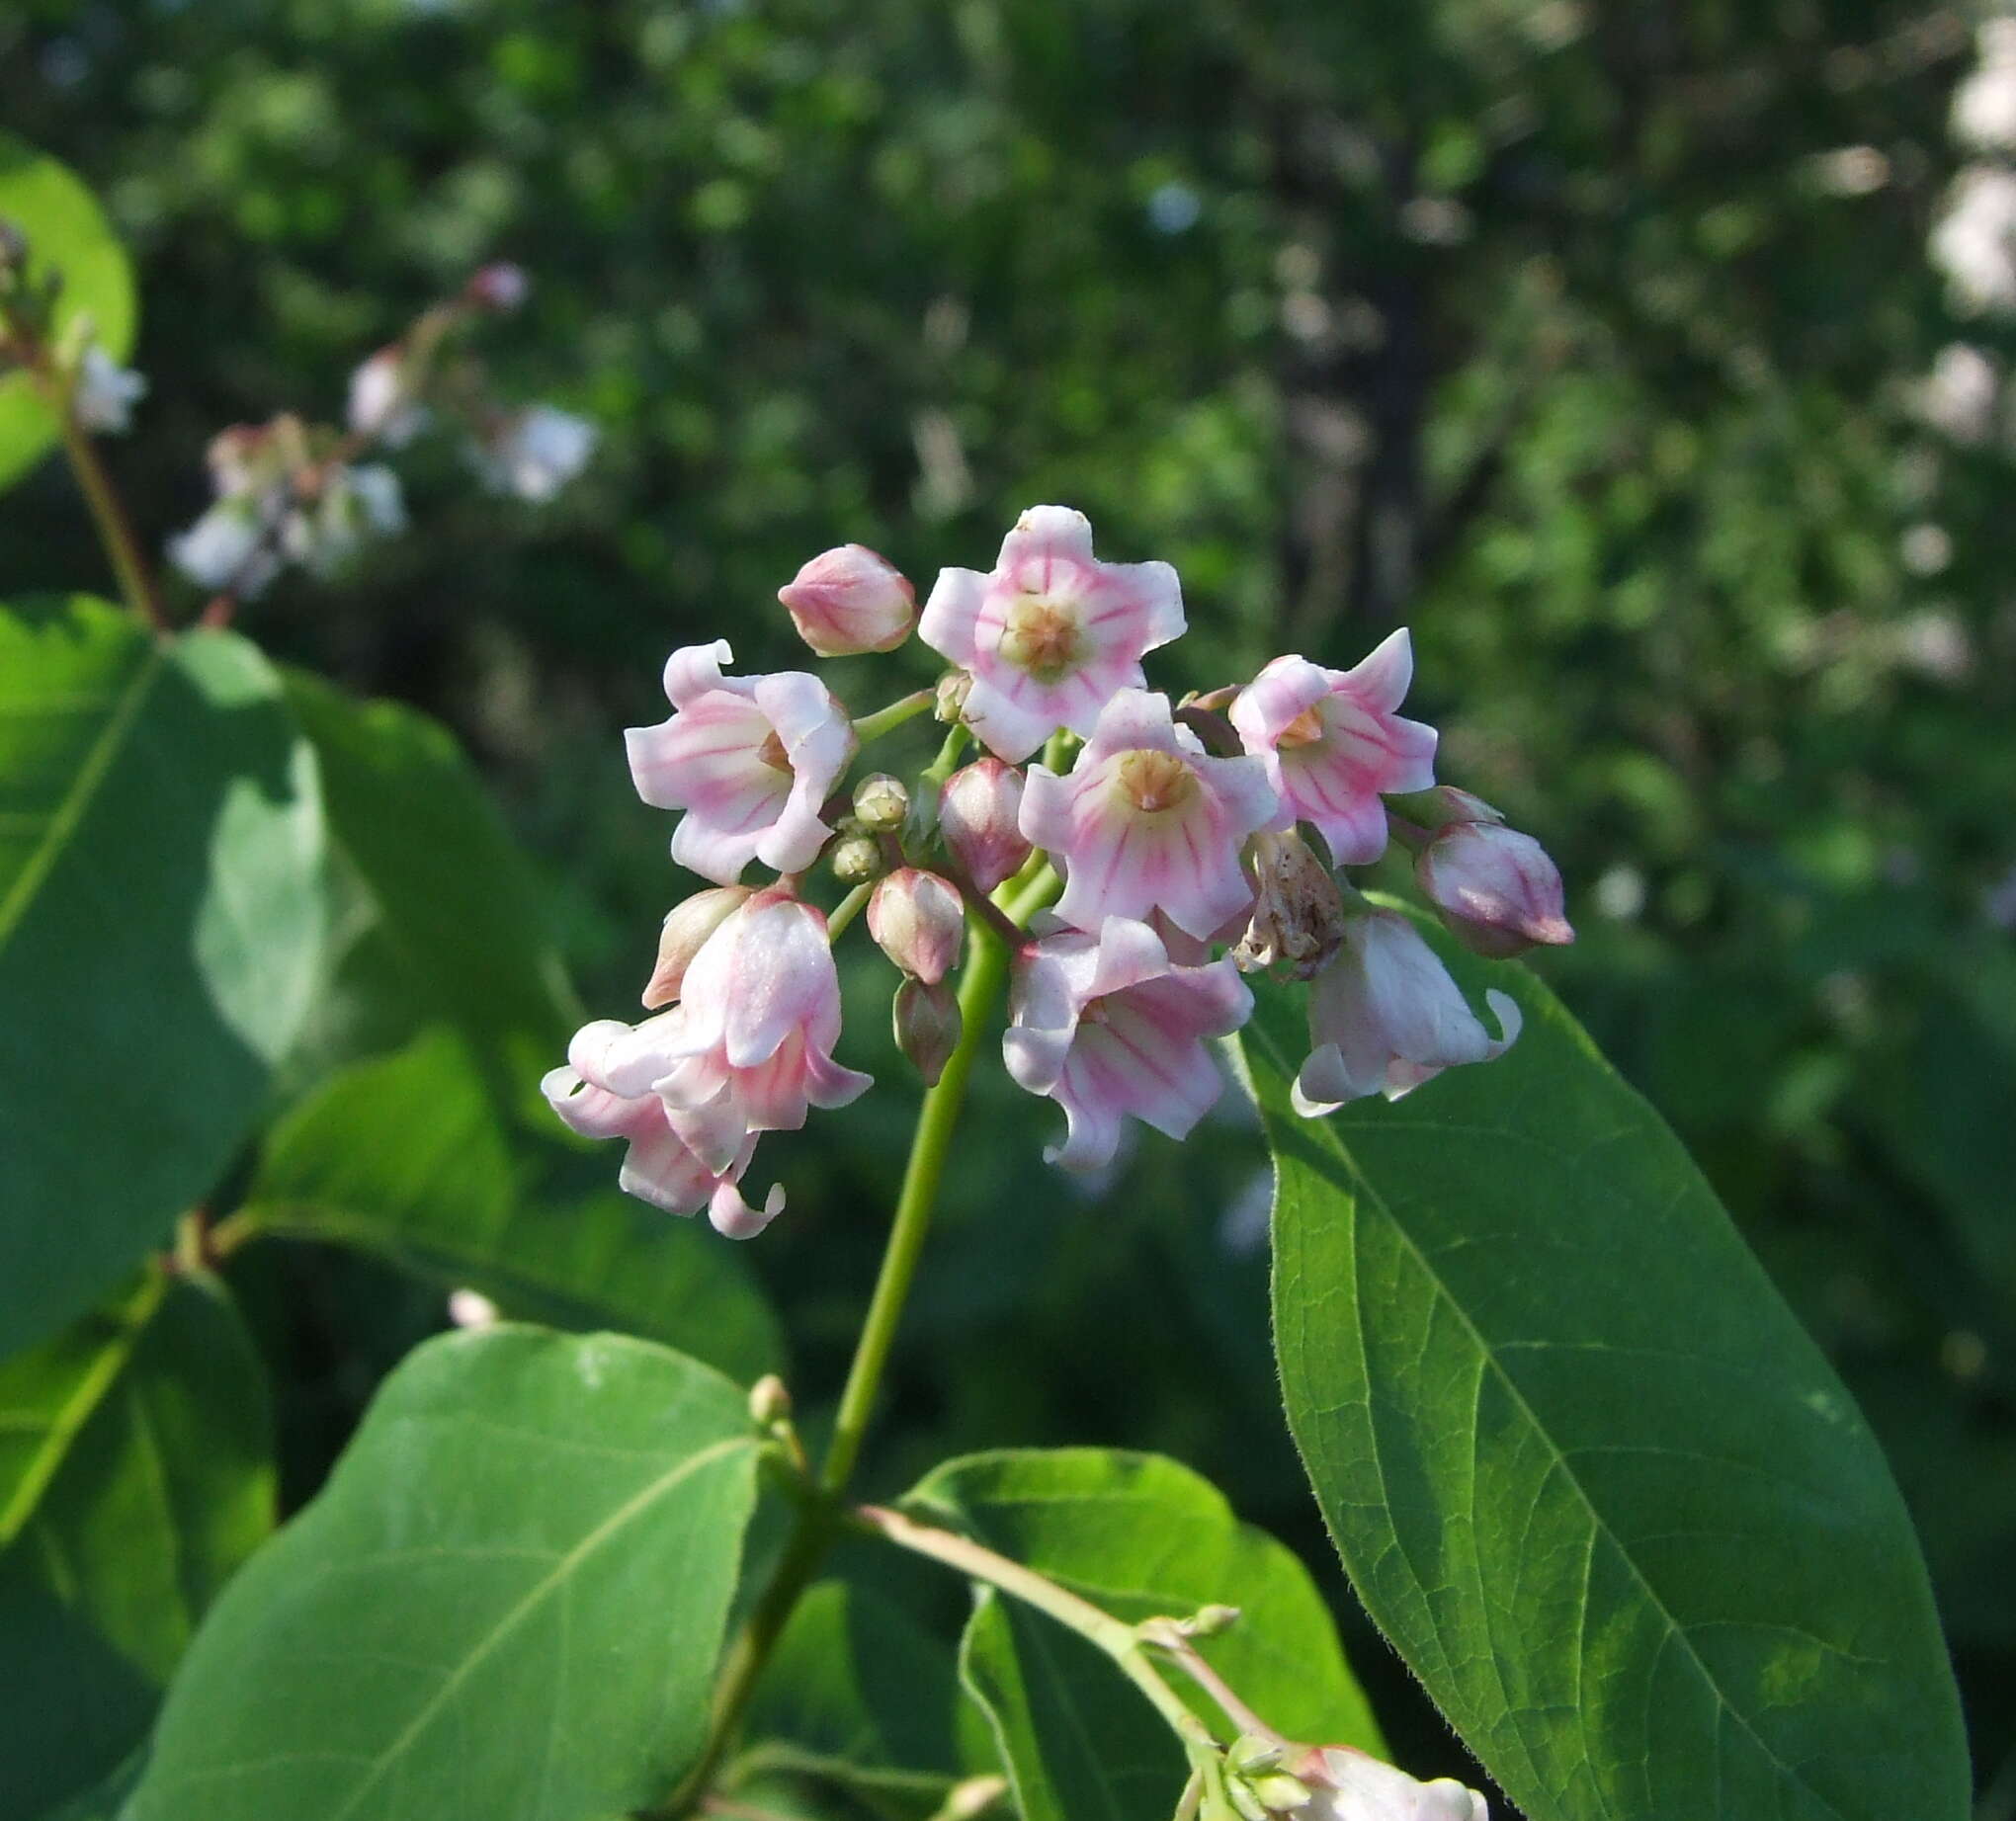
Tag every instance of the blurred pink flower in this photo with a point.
(1385, 1016)
(1051, 633)
(850, 600)
(1107, 1027)
(1333, 741)
(1147, 821)
(749, 759)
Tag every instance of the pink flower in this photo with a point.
(1350, 1786)
(659, 1167)
(749, 1046)
(850, 600)
(918, 921)
(979, 816)
(1147, 821)
(749, 759)
(1333, 742)
(1385, 1016)
(1107, 1026)
(1497, 890)
(1051, 633)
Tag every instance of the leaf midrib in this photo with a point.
(1562, 1464)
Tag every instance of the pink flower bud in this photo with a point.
(1496, 888)
(850, 600)
(500, 286)
(687, 928)
(980, 815)
(928, 1026)
(917, 918)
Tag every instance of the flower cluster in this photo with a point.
(1181, 844)
(288, 491)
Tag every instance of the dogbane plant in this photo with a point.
(1580, 1465)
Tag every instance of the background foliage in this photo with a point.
(1569, 334)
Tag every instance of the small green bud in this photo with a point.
(1211, 1621)
(855, 860)
(1281, 1793)
(768, 1402)
(1251, 1753)
(881, 803)
(953, 688)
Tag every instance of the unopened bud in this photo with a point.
(1297, 911)
(918, 919)
(980, 815)
(769, 1401)
(1495, 889)
(952, 689)
(500, 286)
(851, 599)
(687, 928)
(1251, 1753)
(1280, 1794)
(928, 1026)
(855, 860)
(881, 803)
(1440, 804)
(1211, 1621)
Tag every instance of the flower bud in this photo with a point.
(928, 1026)
(917, 918)
(952, 689)
(1440, 804)
(1496, 889)
(1348, 1785)
(855, 860)
(850, 600)
(1297, 914)
(881, 803)
(769, 1401)
(980, 816)
(687, 926)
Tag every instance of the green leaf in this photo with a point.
(1584, 1466)
(438, 914)
(1140, 1537)
(407, 1158)
(149, 1504)
(66, 233)
(859, 1695)
(506, 1602)
(160, 933)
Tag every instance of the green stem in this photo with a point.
(847, 910)
(883, 720)
(1120, 1640)
(115, 529)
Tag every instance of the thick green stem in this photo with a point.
(883, 720)
(115, 529)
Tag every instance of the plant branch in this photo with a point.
(884, 720)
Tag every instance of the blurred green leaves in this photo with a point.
(1587, 1471)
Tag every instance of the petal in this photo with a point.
(1288, 686)
(1044, 816)
(1047, 536)
(1036, 1057)
(1132, 719)
(694, 669)
(793, 842)
(1382, 678)
(1355, 831)
(718, 854)
(734, 1219)
(714, 1129)
(784, 979)
(659, 1169)
(1008, 712)
(829, 1085)
(950, 614)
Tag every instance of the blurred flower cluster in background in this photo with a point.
(1652, 364)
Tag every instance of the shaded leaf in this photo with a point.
(1587, 1469)
(66, 232)
(1140, 1537)
(506, 1604)
(156, 1500)
(160, 931)
(407, 1158)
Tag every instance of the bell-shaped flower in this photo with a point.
(1107, 1026)
(1498, 891)
(850, 600)
(1333, 741)
(980, 814)
(1348, 1785)
(918, 921)
(749, 1046)
(749, 759)
(1051, 633)
(659, 1167)
(1386, 1014)
(1146, 820)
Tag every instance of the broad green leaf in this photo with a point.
(505, 1606)
(160, 931)
(407, 1158)
(1585, 1469)
(157, 1496)
(438, 914)
(67, 233)
(857, 1693)
(1140, 1537)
